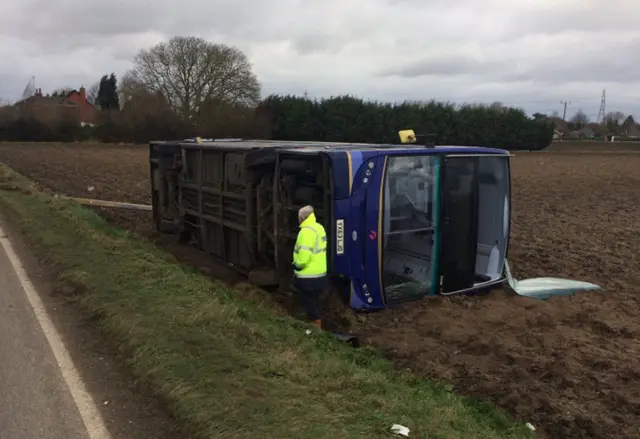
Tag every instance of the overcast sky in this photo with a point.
(527, 53)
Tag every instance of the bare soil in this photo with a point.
(569, 365)
(596, 146)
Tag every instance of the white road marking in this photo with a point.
(88, 412)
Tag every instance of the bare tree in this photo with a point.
(613, 120)
(130, 88)
(92, 93)
(62, 92)
(189, 71)
(580, 119)
(614, 117)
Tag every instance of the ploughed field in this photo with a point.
(569, 365)
(594, 146)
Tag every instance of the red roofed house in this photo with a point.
(88, 112)
(74, 105)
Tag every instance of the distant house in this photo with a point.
(583, 133)
(632, 131)
(88, 112)
(74, 105)
(560, 125)
(557, 135)
(629, 128)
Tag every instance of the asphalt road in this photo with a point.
(35, 399)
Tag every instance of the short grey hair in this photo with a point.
(304, 213)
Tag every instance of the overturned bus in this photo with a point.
(404, 221)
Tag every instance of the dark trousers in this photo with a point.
(310, 291)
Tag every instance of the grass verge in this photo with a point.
(226, 367)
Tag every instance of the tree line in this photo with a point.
(612, 123)
(349, 119)
(190, 87)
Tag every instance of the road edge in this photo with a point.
(91, 416)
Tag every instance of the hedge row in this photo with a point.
(33, 130)
(350, 119)
(339, 119)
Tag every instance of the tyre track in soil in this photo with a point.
(569, 365)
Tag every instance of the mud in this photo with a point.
(570, 365)
(594, 145)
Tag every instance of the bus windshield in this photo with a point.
(410, 189)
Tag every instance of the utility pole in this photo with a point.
(564, 112)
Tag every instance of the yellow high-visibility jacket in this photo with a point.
(310, 252)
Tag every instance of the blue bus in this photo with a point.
(404, 221)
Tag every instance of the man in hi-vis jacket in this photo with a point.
(310, 263)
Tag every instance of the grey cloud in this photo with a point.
(587, 16)
(79, 23)
(581, 63)
(615, 63)
(618, 71)
(312, 43)
(448, 66)
(82, 19)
